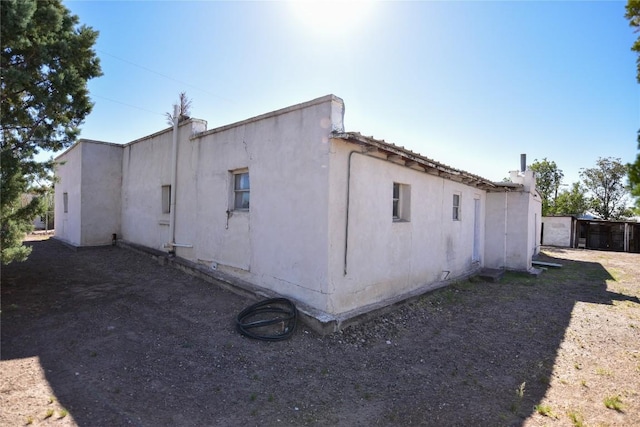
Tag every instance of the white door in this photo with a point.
(476, 230)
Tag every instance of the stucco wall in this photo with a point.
(101, 193)
(557, 231)
(535, 224)
(68, 170)
(513, 227)
(386, 258)
(495, 231)
(319, 228)
(281, 242)
(518, 254)
(90, 173)
(146, 167)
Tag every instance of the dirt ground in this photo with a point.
(108, 337)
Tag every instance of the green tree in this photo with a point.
(548, 181)
(605, 182)
(572, 202)
(633, 15)
(634, 178)
(45, 63)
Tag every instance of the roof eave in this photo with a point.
(412, 159)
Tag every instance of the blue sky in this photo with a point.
(470, 84)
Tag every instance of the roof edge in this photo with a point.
(411, 158)
(300, 106)
(84, 140)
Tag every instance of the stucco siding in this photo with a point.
(69, 174)
(101, 193)
(495, 231)
(512, 229)
(386, 258)
(324, 224)
(557, 231)
(145, 169)
(518, 223)
(281, 243)
(535, 225)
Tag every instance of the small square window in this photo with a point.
(241, 191)
(166, 199)
(456, 207)
(65, 202)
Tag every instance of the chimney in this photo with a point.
(523, 162)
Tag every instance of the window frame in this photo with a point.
(166, 199)
(395, 198)
(238, 192)
(457, 207)
(401, 202)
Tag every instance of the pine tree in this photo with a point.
(633, 15)
(45, 63)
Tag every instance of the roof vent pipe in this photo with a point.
(523, 162)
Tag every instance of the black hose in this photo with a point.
(269, 320)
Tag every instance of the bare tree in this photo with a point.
(184, 109)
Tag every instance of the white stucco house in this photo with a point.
(292, 204)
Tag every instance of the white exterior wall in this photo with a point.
(68, 170)
(519, 251)
(513, 225)
(90, 173)
(101, 193)
(295, 239)
(146, 167)
(281, 243)
(557, 231)
(38, 223)
(531, 206)
(495, 231)
(535, 224)
(386, 258)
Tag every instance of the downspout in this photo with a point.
(346, 225)
(506, 228)
(174, 172)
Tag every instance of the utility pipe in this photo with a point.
(174, 171)
(346, 225)
(506, 226)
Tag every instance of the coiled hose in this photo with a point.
(269, 320)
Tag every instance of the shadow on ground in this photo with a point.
(126, 341)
